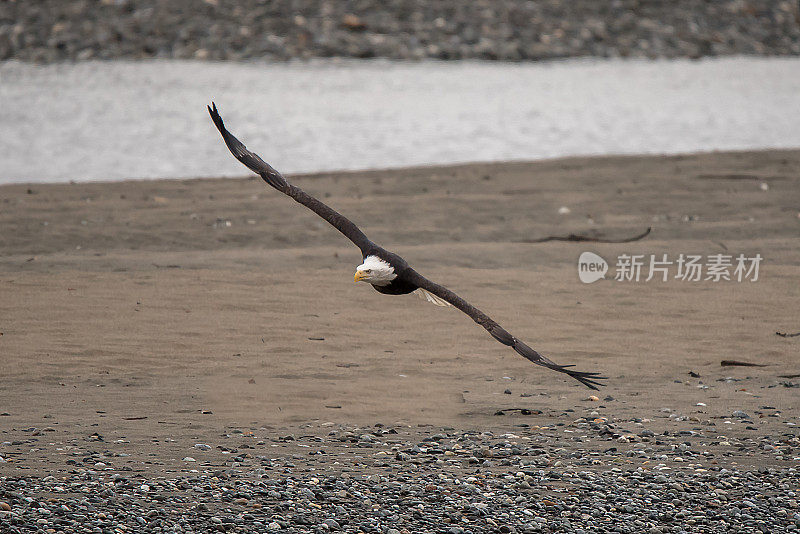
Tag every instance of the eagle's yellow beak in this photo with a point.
(360, 275)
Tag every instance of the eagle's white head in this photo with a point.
(375, 271)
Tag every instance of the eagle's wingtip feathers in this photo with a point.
(215, 116)
(588, 379)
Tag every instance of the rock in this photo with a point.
(353, 22)
(332, 524)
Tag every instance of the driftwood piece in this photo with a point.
(742, 176)
(784, 334)
(580, 238)
(737, 363)
(522, 411)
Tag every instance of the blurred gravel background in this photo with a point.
(56, 30)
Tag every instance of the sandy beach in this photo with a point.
(165, 298)
(139, 319)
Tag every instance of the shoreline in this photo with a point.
(584, 159)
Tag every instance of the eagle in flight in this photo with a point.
(387, 272)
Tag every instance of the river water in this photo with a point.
(121, 120)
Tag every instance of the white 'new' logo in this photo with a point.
(591, 267)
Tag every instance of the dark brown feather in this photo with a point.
(498, 332)
(253, 162)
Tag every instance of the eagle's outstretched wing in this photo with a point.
(276, 180)
(497, 332)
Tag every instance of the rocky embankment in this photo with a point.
(52, 30)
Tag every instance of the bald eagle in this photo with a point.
(387, 272)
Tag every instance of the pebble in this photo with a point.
(331, 523)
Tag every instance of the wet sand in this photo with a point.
(160, 314)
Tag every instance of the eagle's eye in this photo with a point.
(367, 271)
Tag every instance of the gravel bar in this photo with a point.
(53, 30)
(607, 477)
